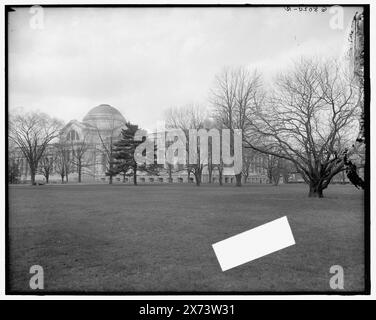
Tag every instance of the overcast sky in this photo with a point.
(144, 60)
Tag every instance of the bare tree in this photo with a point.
(274, 168)
(185, 118)
(63, 160)
(236, 93)
(46, 166)
(79, 155)
(59, 166)
(31, 133)
(310, 115)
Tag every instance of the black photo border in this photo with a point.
(367, 173)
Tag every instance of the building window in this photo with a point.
(73, 135)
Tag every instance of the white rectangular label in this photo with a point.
(254, 243)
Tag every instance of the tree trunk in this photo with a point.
(110, 182)
(220, 177)
(315, 190)
(79, 173)
(238, 178)
(135, 176)
(210, 171)
(270, 175)
(32, 175)
(170, 174)
(47, 178)
(286, 178)
(198, 178)
(343, 177)
(276, 180)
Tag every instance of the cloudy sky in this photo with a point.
(144, 60)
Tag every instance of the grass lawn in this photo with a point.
(159, 237)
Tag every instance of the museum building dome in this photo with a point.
(104, 117)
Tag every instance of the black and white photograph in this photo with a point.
(187, 149)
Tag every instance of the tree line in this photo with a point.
(305, 121)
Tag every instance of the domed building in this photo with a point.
(101, 122)
(91, 140)
(104, 118)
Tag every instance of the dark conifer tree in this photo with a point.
(124, 151)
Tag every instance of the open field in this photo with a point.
(159, 237)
